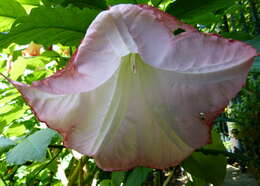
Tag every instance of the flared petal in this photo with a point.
(137, 94)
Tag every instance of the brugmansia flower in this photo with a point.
(142, 89)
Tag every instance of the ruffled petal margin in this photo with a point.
(137, 94)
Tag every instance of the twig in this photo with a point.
(75, 174)
(166, 182)
(47, 164)
(226, 27)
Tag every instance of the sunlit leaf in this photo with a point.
(1, 182)
(6, 108)
(9, 11)
(14, 113)
(16, 129)
(2, 65)
(30, 2)
(33, 63)
(17, 69)
(57, 25)
(106, 182)
(7, 99)
(36, 75)
(50, 54)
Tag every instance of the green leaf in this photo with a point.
(2, 36)
(16, 129)
(115, 2)
(41, 167)
(137, 176)
(51, 54)
(97, 4)
(242, 36)
(2, 65)
(204, 19)
(33, 63)
(36, 75)
(118, 177)
(5, 109)
(256, 44)
(17, 69)
(106, 182)
(7, 99)
(51, 26)
(30, 2)
(142, 1)
(196, 182)
(210, 168)
(6, 144)
(156, 2)
(13, 114)
(1, 182)
(9, 11)
(256, 66)
(188, 9)
(32, 148)
(50, 3)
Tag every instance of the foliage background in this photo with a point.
(31, 154)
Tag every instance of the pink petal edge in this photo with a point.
(71, 73)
